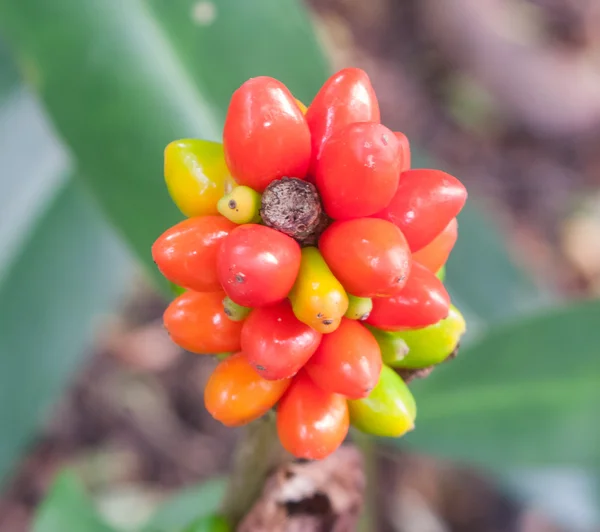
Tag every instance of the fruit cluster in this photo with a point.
(310, 259)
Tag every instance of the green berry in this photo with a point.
(393, 347)
(389, 410)
(359, 308)
(441, 273)
(234, 311)
(241, 205)
(427, 346)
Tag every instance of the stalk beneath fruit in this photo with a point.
(257, 454)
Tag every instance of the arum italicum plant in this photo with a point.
(311, 254)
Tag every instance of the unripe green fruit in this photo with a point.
(359, 308)
(420, 348)
(392, 345)
(441, 273)
(234, 311)
(241, 205)
(389, 410)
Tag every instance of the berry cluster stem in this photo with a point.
(258, 452)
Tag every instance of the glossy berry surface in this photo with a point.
(429, 345)
(404, 148)
(318, 298)
(435, 254)
(196, 175)
(311, 263)
(388, 411)
(423, 301)
(311, 423)
(257, 265)
(424, 204)
(359, 308)
(276, 343)
(235, 394)
(241, 205)
(358, 169)
(348, 361)
(197, 322)
(265, 135)
(186, 254)
(345, 98)
(370, 257)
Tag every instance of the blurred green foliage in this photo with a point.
(68, 508)
(525, 394)
(119, 80)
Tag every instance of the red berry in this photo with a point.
(423, 301)
(186, 254)
(197, 322)
(311, 422)
(424, 204)
(357, 172)
(348, 361)
(370, 257)
(435, 254)
(258, 265)
(266, 135)
(276, 343)
(404, 151)
(345, 98)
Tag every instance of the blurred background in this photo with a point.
(504, 94)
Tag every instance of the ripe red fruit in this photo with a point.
(196, 321)
(404, 151)
(186, 254)
(424, 204)
(311, 422)
(257, 265)
(435, 254)
(423, 301)
(265, 135)
(345, 98)
(357, 172)
(276, 343)
(370, 257)
(348, 361)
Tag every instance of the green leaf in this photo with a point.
(60, 266)
(67, 508)
(187, 506)
(525, 394)
(8, 73)
(122, 79)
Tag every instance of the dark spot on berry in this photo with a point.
(400, 279)
(260, 368)
(240, 277)
(319, 315)
(227, 312)
(327, 322)
(232, 204)
(364, 316)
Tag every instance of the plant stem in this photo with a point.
(257, 454)
(367, 446)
